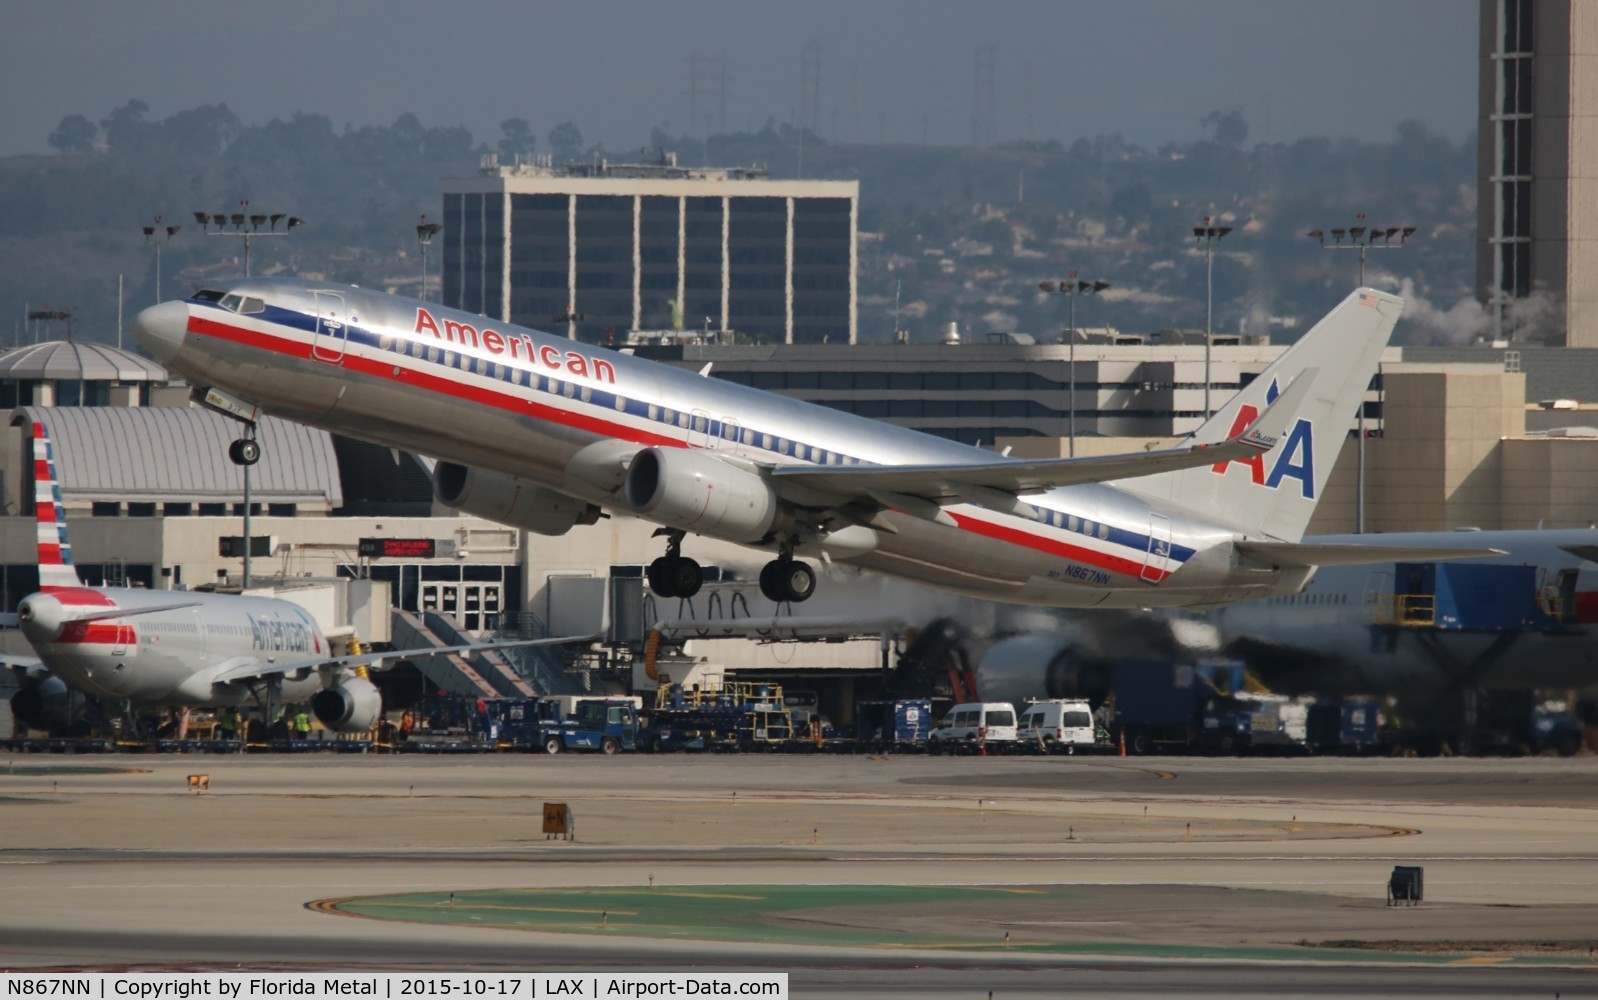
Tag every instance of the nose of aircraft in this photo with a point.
(161, 329)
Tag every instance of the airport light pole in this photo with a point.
(1209, 234)
(1362, 238)
(246, 226)
(1071, 288)
(152, 236)
(48, 317)
(424, 236)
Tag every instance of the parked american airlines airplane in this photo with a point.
(542, 433)
(166, 648)
(1525, 621)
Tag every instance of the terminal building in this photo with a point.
(152, 500)
(602, 249)
(977, 391)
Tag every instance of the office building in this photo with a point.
(599, 250)
(1537, 180)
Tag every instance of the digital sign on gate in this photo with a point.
(397, 548)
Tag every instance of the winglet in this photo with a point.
(1270, 428)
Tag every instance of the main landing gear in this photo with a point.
(787, 579)
(782, 580)
(246, 450)
(674, 574)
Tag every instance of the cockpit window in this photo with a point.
(234, 302)
(208, 295)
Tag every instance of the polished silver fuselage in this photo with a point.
(567, 416)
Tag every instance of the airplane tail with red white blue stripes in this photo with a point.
(56, 569)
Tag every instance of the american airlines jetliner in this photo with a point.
(166, 648)
(1524, 620)
(545, 433)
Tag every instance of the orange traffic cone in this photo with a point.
(1123, 743)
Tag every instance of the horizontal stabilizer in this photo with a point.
(1353, 554)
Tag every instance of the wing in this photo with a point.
(1353, 554)
(997, 483)
(1587, 552)
(26, 665)
(94, 616)
(245, 669)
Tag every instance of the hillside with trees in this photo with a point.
(958, 234)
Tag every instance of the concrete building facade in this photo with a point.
(1537, 171)
(978, 392)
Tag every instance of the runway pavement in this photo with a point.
(1135, 876)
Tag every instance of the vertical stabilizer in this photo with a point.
(56, 570)
(1273, 494)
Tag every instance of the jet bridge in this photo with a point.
(1462, 597)
(1431, 601)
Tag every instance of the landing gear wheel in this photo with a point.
(244, 451)
(686, 577)
(787, 580)
(798, 581)
(675, 576)
(655, 576)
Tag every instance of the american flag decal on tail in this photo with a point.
(1367, 299)
(55, 551)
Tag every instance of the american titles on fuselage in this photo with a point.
(517, 346)
(282, 635)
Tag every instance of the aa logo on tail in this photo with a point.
(1294, 458)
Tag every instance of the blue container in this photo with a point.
(1350, 724)
(1157, 693)
(908, 720)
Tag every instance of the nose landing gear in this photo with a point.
(674, 574)
(245, 450)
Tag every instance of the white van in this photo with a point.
(1060, 720)
(992, 721)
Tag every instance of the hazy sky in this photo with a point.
(903, 70)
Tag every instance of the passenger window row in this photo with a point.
(699, 423)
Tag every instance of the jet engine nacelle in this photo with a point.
(44, 704)
(352, 707)
(1041, 665)
(700, 493)
(508, 500)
